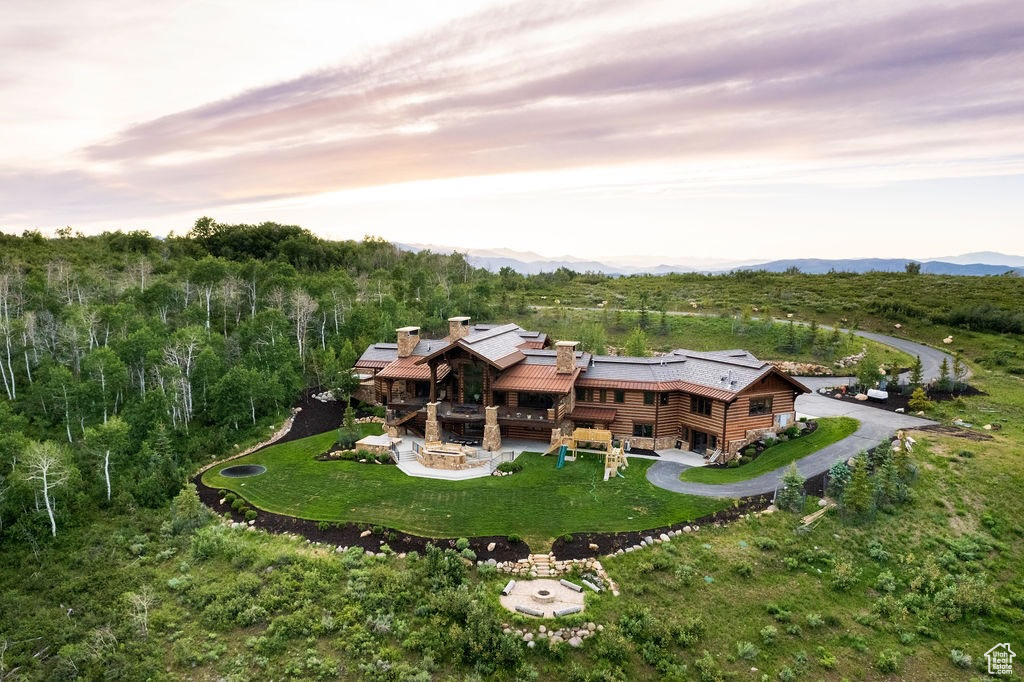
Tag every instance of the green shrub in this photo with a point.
(469, 554)
(843, 576)
(886, 582)
(567, 537)
(510, 467)
(514, 539)
(707, 668)
(230, 497)
(744, 569)
(794, 630)
(826, 659)
(888, 661)
(461, 544)
(765, 544)
(961, 659)
(747, 651)
(238, 504)
(787, 674)
(768, 634)
(814, 620)
(250, 514)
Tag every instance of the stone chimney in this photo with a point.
(408, 337)
(565, 358)
(458, 327)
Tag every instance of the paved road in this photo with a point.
(931, 358)
(875, 426)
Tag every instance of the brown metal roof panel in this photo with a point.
(407, 368)
(596, 414)
(535, 379)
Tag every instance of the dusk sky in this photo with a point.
(726, 129)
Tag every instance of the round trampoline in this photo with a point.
(243, 470)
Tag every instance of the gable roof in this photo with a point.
(498, 346)
(721, 375)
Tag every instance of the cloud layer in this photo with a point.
(847, 94)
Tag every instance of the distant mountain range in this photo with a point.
(528, 263)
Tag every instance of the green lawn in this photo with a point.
(539, 503)
(830, 430)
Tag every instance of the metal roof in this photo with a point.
(378, 355)
(407, 368)
(535, 379)
(499, 345)
(720, 374)
(595, 414)
(550, 357)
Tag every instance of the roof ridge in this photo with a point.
(490, 333)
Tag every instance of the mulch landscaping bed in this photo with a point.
(318, 417)
(898, 400)
(579, 547)
(315, 417)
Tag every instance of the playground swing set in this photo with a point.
(614, 457)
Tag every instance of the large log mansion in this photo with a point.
(485, 382)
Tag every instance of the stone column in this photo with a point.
(492, 432)
(432, 430)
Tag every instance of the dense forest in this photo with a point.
(126, 360)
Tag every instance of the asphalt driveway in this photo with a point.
(875, 426)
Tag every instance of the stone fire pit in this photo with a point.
(543, 596)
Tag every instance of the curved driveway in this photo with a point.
(875, 426)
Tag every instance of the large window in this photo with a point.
(648, 397)
(643, 430)
(663, 398)
(761, 405)
(584, 394)
(620, 396)
(700, 406)
(604, 396)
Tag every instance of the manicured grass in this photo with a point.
(539, 503)
(830, 430)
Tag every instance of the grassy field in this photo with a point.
(539, 503)
(830, 430)
(707, 333)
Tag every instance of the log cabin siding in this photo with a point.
(632, 410)
(711, 424)
(740, 419)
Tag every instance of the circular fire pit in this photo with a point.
(544, 596)
(243, 470)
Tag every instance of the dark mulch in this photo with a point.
(351, 534)
(897, 400)
(315, 417)
(579, 546)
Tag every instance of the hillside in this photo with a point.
(129, 362)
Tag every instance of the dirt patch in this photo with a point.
(956, 432)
